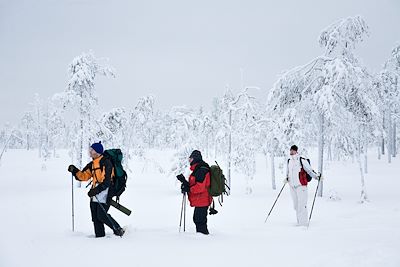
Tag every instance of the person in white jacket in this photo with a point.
(296, 177)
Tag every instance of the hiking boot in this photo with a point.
(203, 230)
(119, 232)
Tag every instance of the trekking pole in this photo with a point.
(275, 202)
(73, 212)
(184, 215)
(312, 207)
(180, 220)
(108, 216)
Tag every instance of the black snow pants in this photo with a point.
(200, 219)
(99, 218)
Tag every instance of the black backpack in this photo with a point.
(118, 184)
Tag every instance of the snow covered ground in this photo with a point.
(35, 224)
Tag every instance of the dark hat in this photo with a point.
(98, 147)
(196, 155)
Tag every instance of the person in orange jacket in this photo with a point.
(101, 171)
(197, 189)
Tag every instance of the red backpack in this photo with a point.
(304, 177)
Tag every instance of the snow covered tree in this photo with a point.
(144, 120)
(235, 132)
(112, 128)
(80, 95)
(180, 138)
(207, 129)
(27, 123)
(46, 133)
(327, 94)
(55, 126)
(224, 111)
(388, 85)
(180, 161)
(246, 135)
(10, 138)
(37, 109)
(272, 142)
(5, 137)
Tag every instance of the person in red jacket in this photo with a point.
(197, 189)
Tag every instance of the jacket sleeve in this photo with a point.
(107, 176)
(197, 188)
(308, 169)
(85, 174)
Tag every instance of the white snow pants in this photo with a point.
(299, 196)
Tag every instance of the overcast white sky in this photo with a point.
(183, 52)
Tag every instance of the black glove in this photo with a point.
(185, 188)
(182, 179)
(92, 192)
(72, 169)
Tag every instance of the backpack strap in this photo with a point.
(229, 189)
(301, 163)
(221, 199)
(201, 166)
(101, 165)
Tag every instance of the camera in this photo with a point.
(181, 178)
(185, 187)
